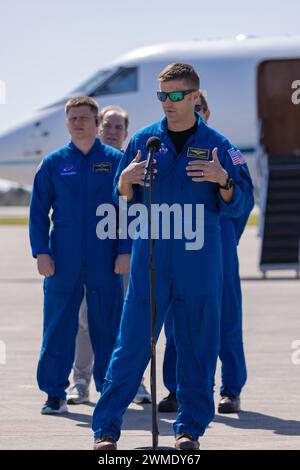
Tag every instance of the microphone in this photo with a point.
(152, 145)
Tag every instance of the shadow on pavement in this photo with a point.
(141, 420)
(252, 420)
(134, 419)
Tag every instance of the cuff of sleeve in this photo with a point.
(117, 197)
(125, 247)
(236, 206)
(44, 251)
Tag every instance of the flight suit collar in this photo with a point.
(73, 149)
(195, 139)
(167, 158)
(201, 133)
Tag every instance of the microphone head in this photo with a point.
(153, 143)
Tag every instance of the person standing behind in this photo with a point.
(73, 181)
(113, 126)
(113, 131)
(202, 108)
(234, 372)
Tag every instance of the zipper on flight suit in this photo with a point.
(84, 207)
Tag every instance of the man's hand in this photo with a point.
(122, 264)
(134, 172)
(208, 171)
(45, 265)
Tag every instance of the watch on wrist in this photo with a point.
(228, 185)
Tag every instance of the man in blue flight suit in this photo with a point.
(73, 182)
(113, 130)
(234, 372)
(195, 166)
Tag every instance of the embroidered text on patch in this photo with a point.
(104, 167)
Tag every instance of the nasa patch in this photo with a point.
(163, 148)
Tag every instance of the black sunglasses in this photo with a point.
(173, 95)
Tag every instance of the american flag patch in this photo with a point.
(236, 156)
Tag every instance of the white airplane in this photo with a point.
(229, 74)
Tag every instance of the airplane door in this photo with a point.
(47, 133)
(279, 116)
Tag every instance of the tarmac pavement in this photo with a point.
(270, 401)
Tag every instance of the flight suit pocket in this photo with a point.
(102, 183)
(105, 308)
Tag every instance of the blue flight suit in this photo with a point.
(233, 371)
(74, 185)
(188, 282)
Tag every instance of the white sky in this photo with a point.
(48, 47)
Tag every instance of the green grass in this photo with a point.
(252, 222)
(13, 220)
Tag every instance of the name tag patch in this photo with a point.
(104, 167)
(202, 154)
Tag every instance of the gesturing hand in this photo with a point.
(135, 171)
(208, 171)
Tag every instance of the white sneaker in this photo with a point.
(142, 396)
(79, 393)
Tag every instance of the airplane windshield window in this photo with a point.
(123, 81)
(87, 87)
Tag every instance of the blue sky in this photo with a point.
(48, 48)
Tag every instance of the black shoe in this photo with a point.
(54, 406)
(229, 404)
(168, 404)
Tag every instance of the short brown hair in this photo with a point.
(118, 110)
(82, 101)
(179, 71)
